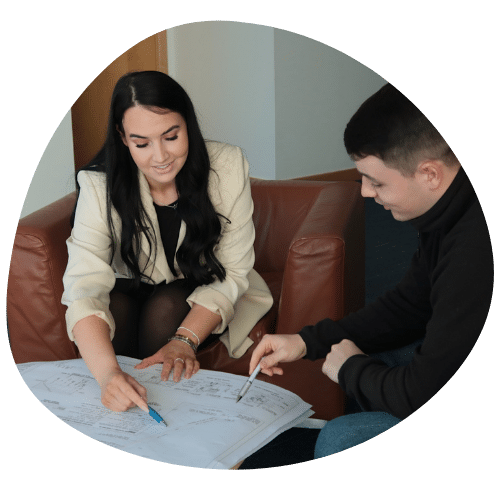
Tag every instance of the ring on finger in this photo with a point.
(179, 359)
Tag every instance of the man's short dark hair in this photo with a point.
(390, 127)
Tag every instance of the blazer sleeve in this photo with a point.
(230, 193)
(89, 277)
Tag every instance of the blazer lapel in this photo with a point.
(160, 271)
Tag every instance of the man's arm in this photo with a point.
(460, 301)
(396, 319)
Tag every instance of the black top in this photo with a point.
(445, 296)
(170, 224)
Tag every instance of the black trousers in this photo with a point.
(147, 316)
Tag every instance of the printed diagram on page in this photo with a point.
(206, 428)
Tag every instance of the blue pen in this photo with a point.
(156, 416)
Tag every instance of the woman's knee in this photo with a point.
(168, 302)
(125, 312)
(161, 315)
(350, 430)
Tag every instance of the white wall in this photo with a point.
(227, 69)
(318, 89)
(284, 98)
(54, 176)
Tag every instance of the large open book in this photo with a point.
(206, 427)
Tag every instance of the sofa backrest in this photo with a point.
(280, 208)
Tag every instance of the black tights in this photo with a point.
(146, 318)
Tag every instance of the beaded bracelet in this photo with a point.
(190, 331)
(186, 340)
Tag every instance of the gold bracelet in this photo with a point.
(190, 331)
(186, 340)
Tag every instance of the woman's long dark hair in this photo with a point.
(195, 257)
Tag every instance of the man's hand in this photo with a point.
(338, 355)
(277, 348)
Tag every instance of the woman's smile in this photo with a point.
(163, 168)
(158, 143)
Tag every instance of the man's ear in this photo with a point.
(431, 173)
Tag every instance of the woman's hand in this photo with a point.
(120, 391)
(176, 356)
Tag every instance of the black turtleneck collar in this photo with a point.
(450, 207)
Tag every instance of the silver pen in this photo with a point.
(248, 383)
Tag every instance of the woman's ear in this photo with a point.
(122, 135)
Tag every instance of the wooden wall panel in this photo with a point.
(351, 174)
(89, 114)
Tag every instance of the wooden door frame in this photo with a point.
(89, 114)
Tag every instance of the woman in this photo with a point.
(161, 250)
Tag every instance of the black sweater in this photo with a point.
(444, 296)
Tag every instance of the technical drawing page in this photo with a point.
(68, 384)
(206, 427)
(219, 385)
(73, 395)
(194, 436)
(70, 377)
(269, 408)
(208, 386)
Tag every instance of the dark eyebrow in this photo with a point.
(369, 177)
(166, 132)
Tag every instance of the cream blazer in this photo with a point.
(241, 299)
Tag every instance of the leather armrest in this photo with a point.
(35, 315)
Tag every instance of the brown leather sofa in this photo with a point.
(309, 249)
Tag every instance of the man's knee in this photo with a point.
(350, 430)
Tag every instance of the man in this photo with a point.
(440, 306)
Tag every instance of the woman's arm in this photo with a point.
(197, 326)
(88, 280)
(119, 391)
(89, 277)
(231, 196)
